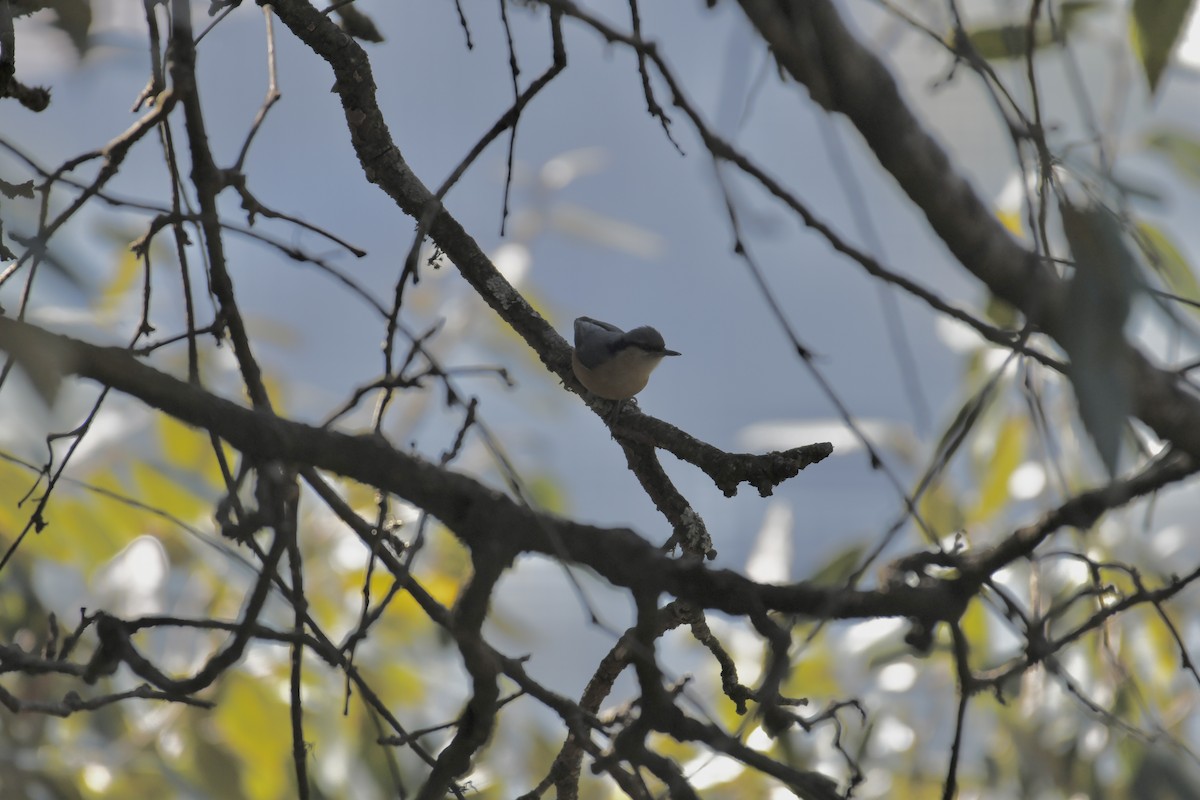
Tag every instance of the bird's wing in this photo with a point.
(585, 321)
(594, 340)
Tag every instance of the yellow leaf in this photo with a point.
(15, 481)
(1006, 456)
(974, 626)
(254, 724)
(181, 445)
(160, 491)
(814, 675)
(940, 509)
(78, 533)
(361, 497)
(442, 588)
(547, 493)
(1011, 220)
(190, 450)
(119, 286)
(405, 683)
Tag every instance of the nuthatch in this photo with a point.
(614, 364)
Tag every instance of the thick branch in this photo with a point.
(478, 515)
(813, 45)
(384, 165)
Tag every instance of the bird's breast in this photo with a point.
(614, 379)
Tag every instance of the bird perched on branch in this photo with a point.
(615, 364)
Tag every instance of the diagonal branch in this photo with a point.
(813, 45)
(475, 513)
(383, 164)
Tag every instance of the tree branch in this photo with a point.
(475, 513)
(813, 45)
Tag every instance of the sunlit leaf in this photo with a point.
(1162, 657)
(443, 588)
(359, 496)
(404, 681)
(1002, 42)
(159, 490)
(672, 748)
(452, 559)
(1001, 313)
(406, 611)
(87, 531)
(254, 722)
(190, 450)
(1155, 27)
(974, 625)
(1181, 148)
(1011, 220)
(1006, 456)
(813, 675)
(118, 522)
(1169, 263)
(125, 275)
(15, 481)
(940, 509)
(547, 493)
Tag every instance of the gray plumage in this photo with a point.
(597, 341)
(613, 364)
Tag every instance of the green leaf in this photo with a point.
(1098, 301)
(1181, 148)
(940, 509)
(1169, 263)
(1154, 29)
(1002, 42)
(974, 625)
(839, 567)
(1000, 313)
(547, 493)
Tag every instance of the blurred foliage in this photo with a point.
(1099, 297)
(242, 748)
(1009, 41)
(1155, 28)
(1109, 718)
(72, 17)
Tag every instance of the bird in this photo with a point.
(615, 364)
